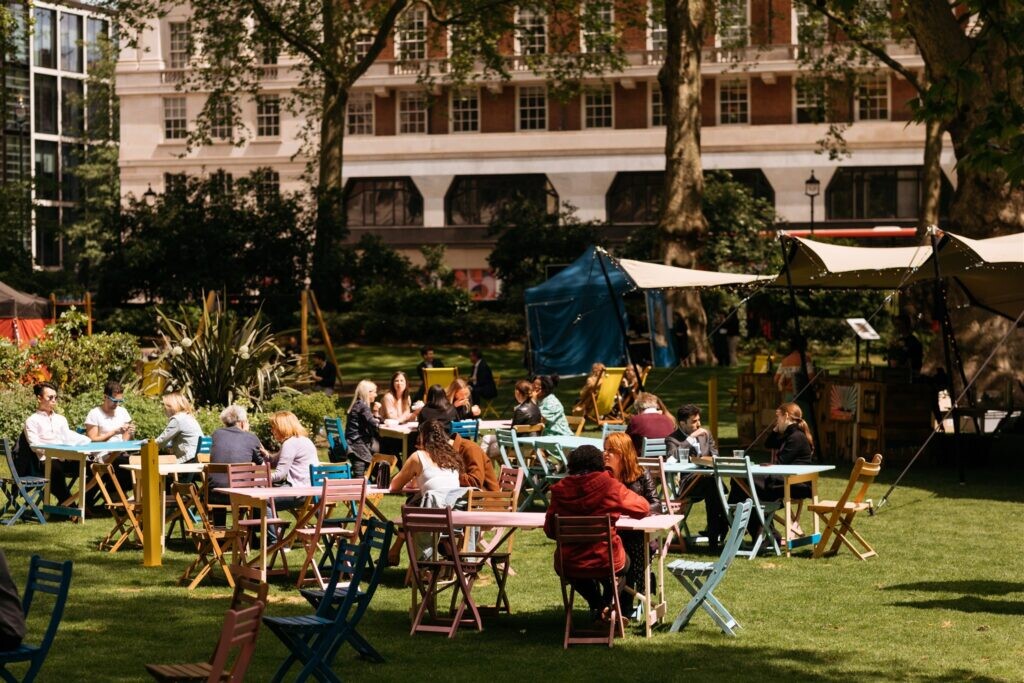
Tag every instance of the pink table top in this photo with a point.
(409, 427)
(268, 493)
(535, 520)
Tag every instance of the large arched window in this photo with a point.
(635, 196)
(869, 192)
(476, 200)
(383, 202)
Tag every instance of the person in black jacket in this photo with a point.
(232, 443)
(526, 411)
(438, 408)
(12, 616)
(621, 459)
(361, 429)
(481, 380)
(429, 361)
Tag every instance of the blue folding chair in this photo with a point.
(607, 429)
(654, 448)
(337, 445)
(535, 477)
(44, 576)
(21, 494)
(467, 429)
(203, 448)
(315, 639)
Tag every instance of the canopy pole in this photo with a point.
(800, 347)
(601, 253)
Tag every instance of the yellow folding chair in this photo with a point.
(442, 376)
(603, 401)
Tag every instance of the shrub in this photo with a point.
(17, 366)
(147, 411)
(16, 404)
(309, 408)
(138, 321)
(80, 363)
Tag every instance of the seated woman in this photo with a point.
(550, 407)
(591, 387)
(438, 408)
(397, 402)
(291, 463)
(460, 396)
(181, 435)
(361, 428)
(590, 490)
(526, 411)
(620, 458)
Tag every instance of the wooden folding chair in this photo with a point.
(21, 494)
(247, 475)
(210, 541)
(335, 492)
(701, 578)
(739, 470)
(238, 633)
(249, 587)
(495, 501)
(576, 423)
(437, 564)
(391, 460)
(570, 530)
(605, 399)
(123, 510)
(838, 514)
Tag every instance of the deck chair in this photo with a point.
(329, 531)
(605, 399)
(376, 536)
(576, 423)
(838, 514)
(467, 429)
(238, 633)
(701, 578)
(123, 510)
(442, 376)
(589, 530)
(20, 494)
(626, 402)
(210, 541)
(337, 446)
(739, 469)
(246, 475)
(438, 564)
(44, 576)
(489, 539)
(610, 428)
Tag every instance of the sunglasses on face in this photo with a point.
(115, 400)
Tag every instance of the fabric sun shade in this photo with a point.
(826, 266)
(657, 276)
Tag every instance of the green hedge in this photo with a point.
(475, 326)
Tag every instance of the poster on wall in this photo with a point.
(659, 317)
(481, 283)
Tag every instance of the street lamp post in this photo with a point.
(21, 120)
(812, 186)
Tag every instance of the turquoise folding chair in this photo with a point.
(21, 494)
(49, 577)
(654, 448)
(467, 429)
(337, 445)
(536, 477)
(607, 429)
(508, 441)
(739, 468)
(701, 578)
(205, 446)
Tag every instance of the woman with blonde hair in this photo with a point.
(590, 388)
(461, 397)
(291, 463)
(181, 435)
(362, 428)
(620, 458)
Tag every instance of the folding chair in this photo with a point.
(495, 501)
(390, 460)
(21, 494)
(467, 429)
(588, 530)
(604, 400)
(576, 423)
(210, 541)
(654, 448)
(204, 448)
(487, 404)
(44, 576)
(673, 505)
(442, 376)
(626, 402)
(610, 428)
(249, 587)
(437, 564)
(313, 640)
(739, 469)
(238, 632)
(123, 510)
(508, 441)
(335, 431)
(510, 479)
(838, 514)
(246, 475)
(335, 492)
(701, 578)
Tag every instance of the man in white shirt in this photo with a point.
(46, 426)
(109, 421)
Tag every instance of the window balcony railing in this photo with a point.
(268, 72)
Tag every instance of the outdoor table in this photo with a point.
(404, 431)
(791, 474)
(163, 470)
(567, 442)
(78, 453)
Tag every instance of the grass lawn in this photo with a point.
(944, 601)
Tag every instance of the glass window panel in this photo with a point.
(598, 36)
(873, 98)
(411, 42)
(175, 118)
(383, 202)
(46, 169)
(475, 200)
(657, 106)
(533, 108)
(95, 31)
(598, 108)
(180, 45)
(19, 55)
(47, 236)
(733, 102)
(531, 32)
(72, 98)
(70, 157)
(412, 112)
(71, 42)
(45, 104)
(465, 108)
(359, 114)
(45, 38)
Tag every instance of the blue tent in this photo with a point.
(571, 317)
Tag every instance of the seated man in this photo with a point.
(649, 422)
(693, 442)
(48, 427)
(232, 443)
(429, 361)
(110, 421)
(481, 380)
(326, 374)
(590, 490)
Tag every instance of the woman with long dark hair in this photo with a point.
(435, 465)
(438, 408)
(550, 407)
(397, 404)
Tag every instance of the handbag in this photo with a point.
(380, 475)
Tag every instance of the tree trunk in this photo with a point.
(932, 190)
(682, 224)
(330, 215)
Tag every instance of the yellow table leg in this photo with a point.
(152, 507)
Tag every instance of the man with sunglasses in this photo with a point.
(110, 421)
(48, 426)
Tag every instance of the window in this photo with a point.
(873, 98)
(70, 157)
(268, 185)
(221, 184)
(733, 101)
(657, 32)
(98, 120)
(45, 39)
(175, 118)
(598, 26)
(222, 120)
(732, 24)
(657, 106)
(412, 112)
(476, 200)
(181, 44)
(359, 114)
(270, 51)
(754, 180)
(598, 110)
(533, 108)
(364, 41)
(46, 170)
(879, 193)
(175, 183)
(531, 32)
(383, 202)
(810, 100)
(19, 35)
(45, 104)
(95, 33)
(635, 196)
(809, 28)
(268, 116)
(411, 40)
(465, 108)
(71, 42)
(72, 101)
(47, 236)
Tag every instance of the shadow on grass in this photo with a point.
(970, 604)
(980, 587)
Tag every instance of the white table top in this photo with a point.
(779, 470)
(410, 427)
(172, 468)
(91, 447)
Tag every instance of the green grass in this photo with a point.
(944, 601)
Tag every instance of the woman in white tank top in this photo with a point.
(435, 466)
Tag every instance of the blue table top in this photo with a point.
(92, 446)
(779, 470)
(564, 441)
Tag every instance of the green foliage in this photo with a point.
(17, 366)
(80, 363)
(311, 409)
(223, 358)
(16, 403)
(15, 259)
(146, 411)
(138, 321)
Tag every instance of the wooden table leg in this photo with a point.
(48, 474)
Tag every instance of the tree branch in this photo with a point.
(387, 23)
(267, 18)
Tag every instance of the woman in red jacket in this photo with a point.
(591, 490)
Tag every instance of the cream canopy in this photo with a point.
(657, 276)
(832, 266)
